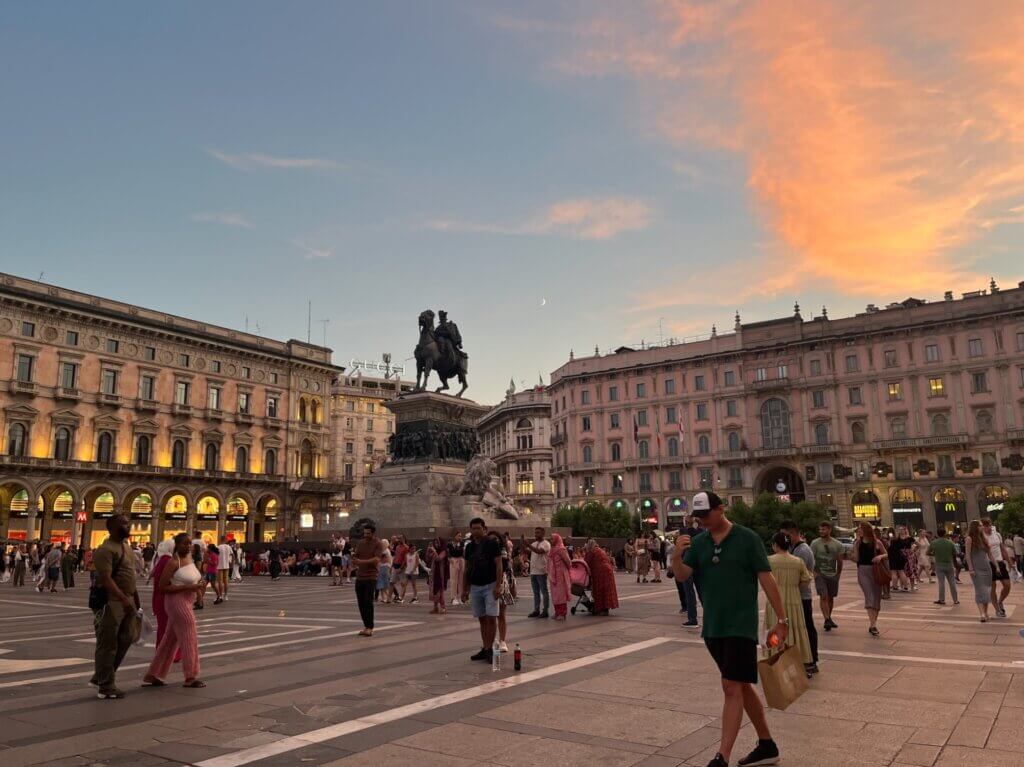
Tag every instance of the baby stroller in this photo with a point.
(579, 585)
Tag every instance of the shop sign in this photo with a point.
(992, 506)
(81, 516)
(865, 511)
(62, 515)
(237, 517)
(177, 516)
(652, 520)
(907, 510)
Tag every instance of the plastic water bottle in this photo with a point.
(517, 658)
(496, 655)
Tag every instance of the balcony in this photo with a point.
(181, 409)
(725, 456)
(214, 414)
(770, 384)
(150, 405)
(273, 423)
(246, 418)
(113, 400)
(829, 448)
(1015, 436)
(899, 443)
(557, 440)
(68, 393)
(23, 387)
(956, 440)
(92, 467)
(776, 452)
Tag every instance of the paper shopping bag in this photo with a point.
(782, 677)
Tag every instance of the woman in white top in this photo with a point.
(925, 564)
(181, 583)
(412, 569)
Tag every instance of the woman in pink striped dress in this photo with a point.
(180, 582)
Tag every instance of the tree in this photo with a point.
(1011, 518)
(768, 512)
(594, 520)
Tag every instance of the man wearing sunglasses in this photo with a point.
(728, 562)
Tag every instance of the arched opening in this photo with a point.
(242, 459)
(238, 519)
(207, 514)
(14, 500)
(314, 411)
(984, 419)
(211, 458)
(102, 505)
(857, 433)
(270, 461)
(703, 444)
(175, 515)
(60, 504)
(991, 502)
(140, 514)
(524, 423)
(105, 447)
(17, 440)
(644, 448)
(940, 425)
(302, 410)
(307, 461)
(178, 456)
(950, 507)
(616, 451)
(733, 440)
(775, 431)
(673, 447)
(62, 444)
(266, 527)
(907, 508)
(306, 520)
(821, 434)
(783, 482)
(866, 507)
(142, 450)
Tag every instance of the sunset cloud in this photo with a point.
(249, 161)
(585, 218)
(881, 140)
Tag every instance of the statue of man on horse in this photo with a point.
(440, 350)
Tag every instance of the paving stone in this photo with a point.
(958, 756)
(916, 753)
(395, 754)
(453, 738)
(971, 731)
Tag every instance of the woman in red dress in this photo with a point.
(602, 578)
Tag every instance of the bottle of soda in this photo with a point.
(517, 658)
(496, 655)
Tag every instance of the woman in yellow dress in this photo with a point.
(790, 573)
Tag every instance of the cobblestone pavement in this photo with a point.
(291, 684)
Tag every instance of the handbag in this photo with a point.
(783, 677)
(98, 597)
(508, 597)
(882, 573)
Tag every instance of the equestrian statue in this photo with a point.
(440, 350)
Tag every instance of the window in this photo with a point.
(613, 421)
(984, 419)
(641, 418)
(890, 360)
(178, 454)
(705, 476)
(270, 462)
(857, 433)
(855, 395)
(645, 482)
(761, 374)
(28, 329)
(113, 345)
(821, 433)
(242, 460)
(931, 353)
(149, 353)
(17, 437)
(62, 444)
(350, 406)
(214, 366)
(244, 402)
(733, 441)
(732, 408)
(184, 360)
(68, 375)
(852, 363)
(213, 398)
(675, 480)
(348, 471)
(989, 464)
(617, 483)
(903, 470)
(670, 386)
(616, 451)
(702, 411)
(142, 450)
(302, 410)
(585, 423)
(105, 447)
(945, 466)
(273, 378)
(613, 393)
(271, 407)
(71, 337)
(974, 347)
(730, 378)
(673, 447)
(181, 392)
(1020, 340)
(109, 381)
(775, 424)
(369, 424)
(211, 459)
(350, 447)
(824, 472)
(815, 367)
(641, 390)
(671, 415)
(703, 445)
(585, 397)
(898, 427)
(25, 364)
(936, 388)
(699, 383)
(782, 372)
(735, 476)
(644, 448)
(979, 382)
(895, 391)
(588, 454)
(940, 425)
(246, 372)
(147, 387)
(818, 398)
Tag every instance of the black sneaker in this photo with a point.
(544, 614)
(765, 753)
(718, 761)
(484, 655)
(691, 625)
(111, 694)
(811, 668)
(217, 601)
(534, 614)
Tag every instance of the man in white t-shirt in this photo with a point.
(224, 557)
(1000, 573)
(539, 550)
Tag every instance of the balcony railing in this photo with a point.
(725, 456)
(826, 449)
(945, 439)
(775, 452)
(214, 414)
(272, 423)
(771, 383)
(68, 393)
(557, 439)
(1015, 435)
(130, 468)
(903, 443)
(147, 404)
(110, 399)
(244, 418)
(181, 409)
(898, 443)
(23, 387)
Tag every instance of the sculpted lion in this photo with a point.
(482, 484)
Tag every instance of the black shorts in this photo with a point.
(999, 571)
(736, 657)
(335, 560)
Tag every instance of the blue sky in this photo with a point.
(226, 159)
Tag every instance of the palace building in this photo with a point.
(183, 426)
(909, 413)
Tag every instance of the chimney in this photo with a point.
(948, 296)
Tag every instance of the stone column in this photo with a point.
(222, 524)
(30, 522)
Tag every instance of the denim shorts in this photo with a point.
(483, 601)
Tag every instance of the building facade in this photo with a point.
(361, 425)
(107, 407)
(912, 413)
(516, 434)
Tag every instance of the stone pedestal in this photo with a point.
(419, 486)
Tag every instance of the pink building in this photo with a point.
(912, 413)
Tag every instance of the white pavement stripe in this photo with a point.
(60, 605)
(234, 651)
(333, 731)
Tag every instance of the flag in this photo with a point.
(636, 431)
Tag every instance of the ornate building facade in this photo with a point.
(107, 407)
(516, 435)
(361, 426)
(909, 413)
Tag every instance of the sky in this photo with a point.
(556, 175)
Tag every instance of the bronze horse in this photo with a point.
(438, 356)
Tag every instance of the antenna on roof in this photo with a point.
(309, 322)
(40, 276)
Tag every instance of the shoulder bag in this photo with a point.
(98, 596)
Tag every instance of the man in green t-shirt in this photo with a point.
(116, 623)
(943, 551)
(828, 566)
(728, 562)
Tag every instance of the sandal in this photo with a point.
(366, 633)
(153, 683)
(195, 684)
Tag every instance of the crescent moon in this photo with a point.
(543, 302)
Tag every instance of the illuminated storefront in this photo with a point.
(17, 524)
(141, 518)
(62, 518)
(236, 527)
(207, 515)
(649, 512)
(270, 521)
(102, 510)
(677, 509)
(991, 500)
(866, 507)
(175, 517)
(907, 508)
(950, 508)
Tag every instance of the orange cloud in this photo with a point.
(881, 138)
